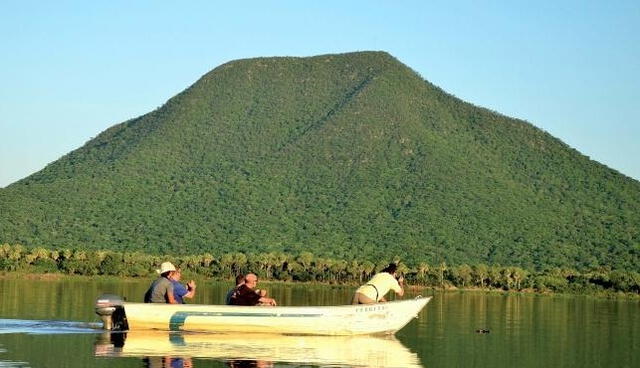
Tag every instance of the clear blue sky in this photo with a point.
(69, 70)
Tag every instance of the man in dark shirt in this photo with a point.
(246, 293)
(239, 281)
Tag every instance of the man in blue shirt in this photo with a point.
(180, 291)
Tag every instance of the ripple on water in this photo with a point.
(12, 364)
(37, 327)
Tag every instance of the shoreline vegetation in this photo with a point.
(42, 264)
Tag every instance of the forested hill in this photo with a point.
(347, 156)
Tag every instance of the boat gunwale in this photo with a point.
(420, 299)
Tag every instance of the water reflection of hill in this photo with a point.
(262, 350)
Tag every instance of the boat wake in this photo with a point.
(44, 327)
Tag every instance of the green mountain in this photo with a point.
(348, 156)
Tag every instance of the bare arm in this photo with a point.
(191, 289)
(267, 301)
(170, 298)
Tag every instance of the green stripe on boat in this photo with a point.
(177, 319)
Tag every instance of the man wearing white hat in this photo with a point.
(161, 290)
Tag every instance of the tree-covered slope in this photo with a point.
(350, 155)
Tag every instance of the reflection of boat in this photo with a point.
(365, 351)
(326, 320)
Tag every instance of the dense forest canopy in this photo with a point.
(348, 156)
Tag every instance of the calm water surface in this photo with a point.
(52, 324)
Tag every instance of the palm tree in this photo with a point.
(423, 269)
(338, 269)
(206, 260)
(79, 255)
(442, 268)
(464, 274)
(322, 266)
(305, 259)
(239, 262)
(226, 264)
(15, 253)
(354, 270)
(506, 278)
(5, 249)
(101, 254)
(518, 275)
(480, 273)
(54, 255)
(367, 270)
(35, 254)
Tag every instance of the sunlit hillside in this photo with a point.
(347, 156)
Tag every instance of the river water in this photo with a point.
(52, 324)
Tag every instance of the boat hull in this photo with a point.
(381, 318)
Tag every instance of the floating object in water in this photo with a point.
(483, 331)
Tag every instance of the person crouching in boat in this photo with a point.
(180, 292)
(379, 285)
(246, 294)
(161, 290)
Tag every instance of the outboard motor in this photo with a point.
(110, 308)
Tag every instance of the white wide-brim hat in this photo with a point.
(166, 267)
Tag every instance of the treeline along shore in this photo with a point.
(306, 267)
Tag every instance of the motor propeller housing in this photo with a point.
(110, 308)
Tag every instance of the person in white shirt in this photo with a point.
(379, 285)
